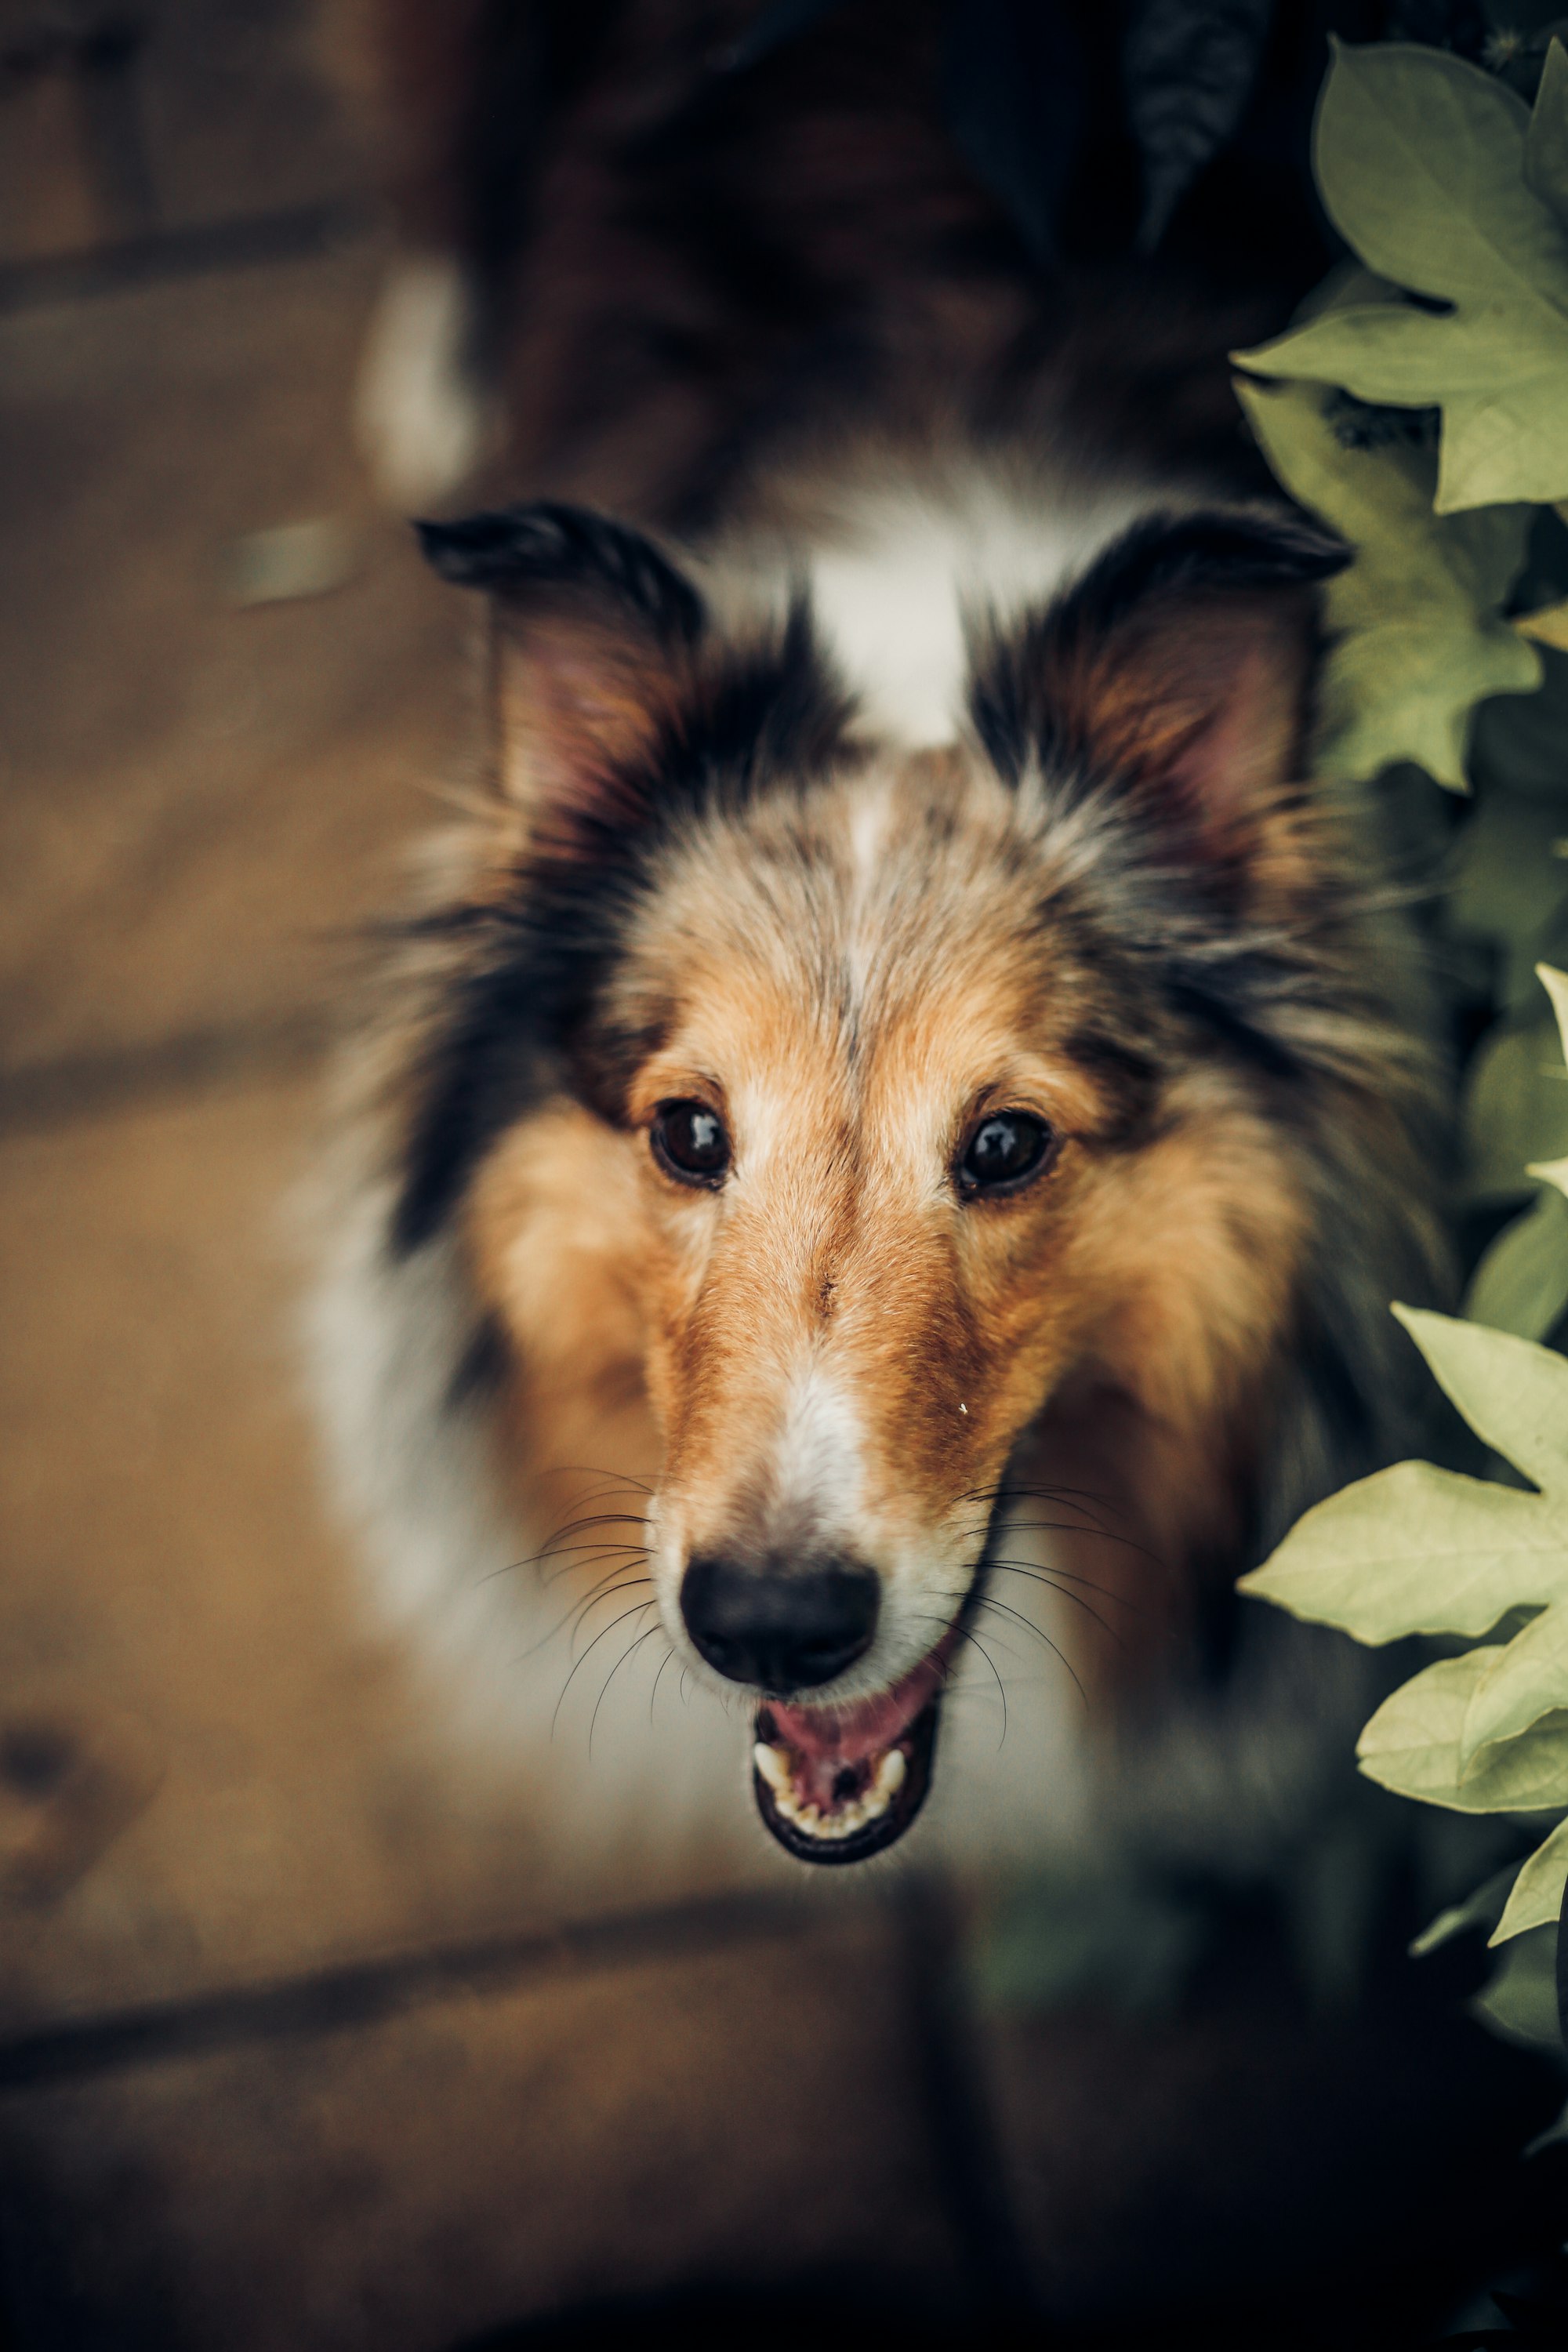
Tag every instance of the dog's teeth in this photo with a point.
(774, 1765)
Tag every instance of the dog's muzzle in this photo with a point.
(832, 1783)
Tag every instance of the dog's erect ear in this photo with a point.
(594, 633)
(1177, 670)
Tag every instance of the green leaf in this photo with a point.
(1520, 2001)
(1546, 140)
(1420, 160)
(1417, 637)
(1555, 983)
(1416, 1549)
(1526, 1680)
(1521, 742)
(1548, 627)
(1521, 1283)
(1419, 1549)
(1412, 1746)
(1512, 1394)
(1556, 2132)
(1509, 891)
(1536, 1897)
(1482, 1909)
(1515, 1107)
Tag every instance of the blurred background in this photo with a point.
(297, 2046)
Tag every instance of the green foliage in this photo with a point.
(1536, 1896)
(1546, 140)
(1418, 637)
(1422, 164)
(1522, 1283)
(1416, 1550)
(1420, 1551)
(1453, 194)
(1520, 2001)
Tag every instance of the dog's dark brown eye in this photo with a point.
(1002, 1151)
(689, 1139)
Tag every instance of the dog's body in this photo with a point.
(880, 1167)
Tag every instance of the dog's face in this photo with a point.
(868, 1125)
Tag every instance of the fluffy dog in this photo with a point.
(891, 1136)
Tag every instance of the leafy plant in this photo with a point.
(1446, 185)
(1452, 194)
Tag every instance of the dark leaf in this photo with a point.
(1190, 66)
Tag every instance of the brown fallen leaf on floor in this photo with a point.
(293, 560)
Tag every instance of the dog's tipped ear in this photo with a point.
(594, 633)
(1178, 669)
(532, 551)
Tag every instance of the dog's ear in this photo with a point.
(593, 634)
(1175, 673)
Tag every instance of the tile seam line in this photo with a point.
(367, 1993)
(74, 1090)
(293, 233)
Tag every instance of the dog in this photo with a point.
(870, 1183)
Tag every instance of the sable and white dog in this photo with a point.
(876, 1170)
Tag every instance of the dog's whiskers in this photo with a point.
(1046, 1577)
(588, 1652)
(604, 1590)
(1004, 1609)
(966, 1634)
(635, 1644)
(590, 1555)
(659, 1678)
(611, 1478)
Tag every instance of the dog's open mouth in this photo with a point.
(841, 1783)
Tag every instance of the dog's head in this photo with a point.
(867, 1116)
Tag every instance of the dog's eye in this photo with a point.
(1004, 1150)
(689, 1142)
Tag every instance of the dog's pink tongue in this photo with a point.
(849, 1734)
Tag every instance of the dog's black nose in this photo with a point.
(782, 1630)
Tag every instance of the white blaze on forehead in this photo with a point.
(870, 816)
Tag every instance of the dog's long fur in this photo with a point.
(947, 760)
